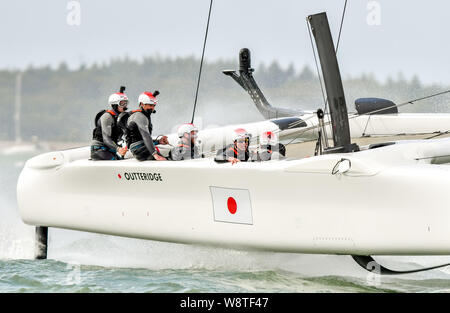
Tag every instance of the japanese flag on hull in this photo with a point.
(231, 205)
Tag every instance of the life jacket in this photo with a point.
(134, 134)
(97, 132)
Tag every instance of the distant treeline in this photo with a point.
(60, 104)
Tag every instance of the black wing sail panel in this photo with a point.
(333, 83)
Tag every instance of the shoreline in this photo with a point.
(43, 145)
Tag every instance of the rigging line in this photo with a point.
(400, 134)
(201, 62)
(337, 44)
(340, 28)
(367, 124)
(354, 116)
(375, 111)
(337, 48)
(317, 65)
(433, 157)
(440, 134)
(256, 137)
(296, 123)
(402, 104)
(408, 102)
(301, 120)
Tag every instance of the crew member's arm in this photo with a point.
(107, 122)
(142, 124)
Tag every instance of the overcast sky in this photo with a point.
(381, 37)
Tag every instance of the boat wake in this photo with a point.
(109, 251)
(74, 247)
(193, 267)
(117, 252)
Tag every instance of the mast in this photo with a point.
(333, 84)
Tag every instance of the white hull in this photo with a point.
(388, 203)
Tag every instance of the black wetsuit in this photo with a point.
(140, 132)
(105, 136)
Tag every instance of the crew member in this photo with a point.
(140, 128)
(187, 147)
(270, 148)
(238, 151)
(106, 133)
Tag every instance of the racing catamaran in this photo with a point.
(383, 199)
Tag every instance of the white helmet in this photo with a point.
(147, 98)
(186, 128)
(241, 133)
(119, 98)
(268, 138)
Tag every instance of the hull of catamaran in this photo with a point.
(392, 200)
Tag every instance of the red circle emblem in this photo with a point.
(120, 176)
(232, 206)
